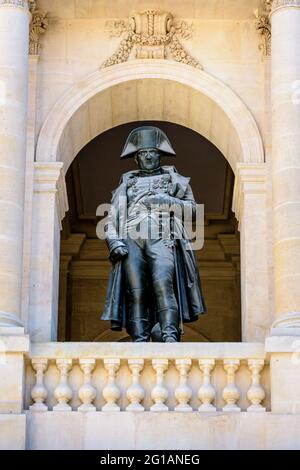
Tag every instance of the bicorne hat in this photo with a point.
(147, 137)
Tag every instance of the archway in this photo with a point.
(182, 95)
(84, 273)
(146, 90)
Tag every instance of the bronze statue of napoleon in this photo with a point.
(154, 285)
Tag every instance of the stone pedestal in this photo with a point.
(250, 207)
(12, 432)
(284, 373)
(12, 391)
(12, 350)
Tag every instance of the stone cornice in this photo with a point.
(16, 3)
(250, 179)
(49, 178)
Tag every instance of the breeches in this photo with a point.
(150, 265)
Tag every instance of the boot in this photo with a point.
(169, 323)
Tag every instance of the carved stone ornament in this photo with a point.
(263, 26)
(263, 22)
(39, 24)
(268, 5)
(152, 34)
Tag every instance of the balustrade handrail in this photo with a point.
(194, 351)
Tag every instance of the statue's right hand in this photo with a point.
(118, 253)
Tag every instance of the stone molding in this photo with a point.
(282, 4)
(250, 179)
(286, 325)
(11, 343)
(124, 351)
(49, 178)
(72, 246)
(10, 320)
(15, 3)
(48, 147)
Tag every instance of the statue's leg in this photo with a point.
(161, 265)
(135, 271)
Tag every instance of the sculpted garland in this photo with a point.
(153, 34)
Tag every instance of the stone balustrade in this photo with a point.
(114, 377)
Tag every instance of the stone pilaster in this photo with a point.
(14, 38)
(285, 18)
(49, 207)
(250, 207)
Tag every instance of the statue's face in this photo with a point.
(148, 159)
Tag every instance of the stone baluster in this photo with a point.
(87, 393)
(159, 393)
(183, 392)
(39, 392)
(111, 392)
(207, 393)
(231, 393)
(256, 393)
(63, 392)
(135, 393)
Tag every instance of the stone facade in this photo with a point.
(73, 69)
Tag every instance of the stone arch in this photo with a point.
(179, 94)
